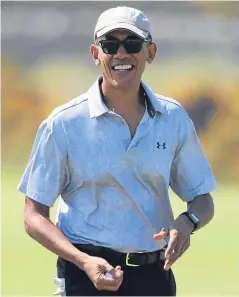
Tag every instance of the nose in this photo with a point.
(121, 53)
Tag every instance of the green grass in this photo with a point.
(209, 267)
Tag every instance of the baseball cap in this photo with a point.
(123, 17)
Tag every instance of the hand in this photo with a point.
(179, 239)
(96, 268)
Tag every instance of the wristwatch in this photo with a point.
(193, 218)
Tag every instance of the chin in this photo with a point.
(121, 84)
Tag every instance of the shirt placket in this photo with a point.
(143, 128)
(141, 131)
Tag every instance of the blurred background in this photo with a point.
(45, 62)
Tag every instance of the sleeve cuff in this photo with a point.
(39, 197)
(199, 191)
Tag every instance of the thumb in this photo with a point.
(115, 272)
(162, 234)
(118, 267)
(118, 272)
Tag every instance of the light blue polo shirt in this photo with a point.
(114, 189)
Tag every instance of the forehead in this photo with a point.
(121, 34)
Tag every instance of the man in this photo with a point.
(111, 155)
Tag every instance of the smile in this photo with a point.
(122, 67)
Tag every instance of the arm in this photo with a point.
(43, 181)
(179, 233)
(190, 178)
(203, 207)
(39, 226)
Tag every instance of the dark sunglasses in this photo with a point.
(111, 46)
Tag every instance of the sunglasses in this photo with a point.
(111, 46)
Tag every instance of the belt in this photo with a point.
(128, 259)
(142, 258)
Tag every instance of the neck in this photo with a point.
(122, 99)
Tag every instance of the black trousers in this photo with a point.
(145, 280)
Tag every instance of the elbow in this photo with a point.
(212, 208)
(28, 226)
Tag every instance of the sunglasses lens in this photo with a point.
(110, 47)
(133, 46)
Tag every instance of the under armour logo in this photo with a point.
(163, 145)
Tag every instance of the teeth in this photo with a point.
(122, 67)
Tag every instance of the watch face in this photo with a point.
(194, 218)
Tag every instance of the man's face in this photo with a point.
(123, 69)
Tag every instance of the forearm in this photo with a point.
(47, 234)
(203, 207)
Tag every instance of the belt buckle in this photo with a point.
(127, 259)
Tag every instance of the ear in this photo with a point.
(94, 50)
(152, 50)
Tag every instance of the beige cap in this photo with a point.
(125, 18)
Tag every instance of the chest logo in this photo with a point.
(161, 145)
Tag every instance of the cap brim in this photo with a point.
(122, 26)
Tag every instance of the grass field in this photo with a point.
(210, 267)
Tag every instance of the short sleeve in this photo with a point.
(46, 173)
(190, 174)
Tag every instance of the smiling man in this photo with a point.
(111, 155)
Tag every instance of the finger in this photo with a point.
(113, 286)
(118, 271)
(109, 284)
(110, 277)
(177, 253)
(172, 243)
(103, 281)
(178, 247)
(115, 272)
(172, 258)
(166, 265)
(117, 280)
(162, 234)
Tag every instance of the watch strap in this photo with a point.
(196, 224)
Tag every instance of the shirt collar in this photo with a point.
(152, 100)
(97, 106)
